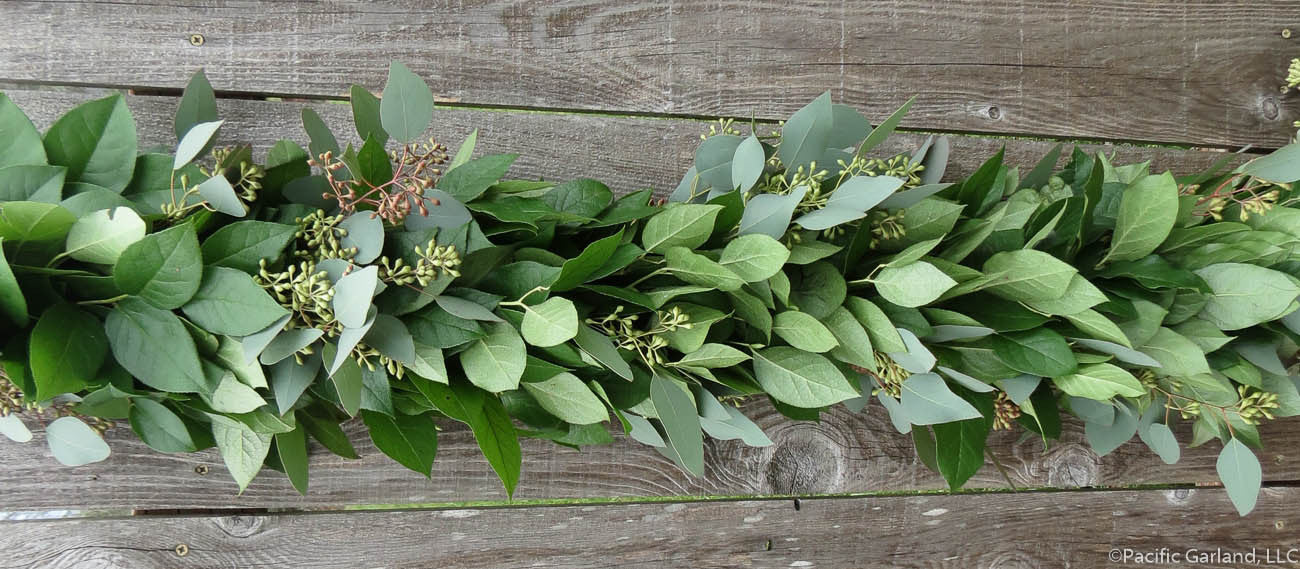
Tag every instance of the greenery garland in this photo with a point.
(210, 300)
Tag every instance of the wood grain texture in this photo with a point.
(1004, 531)
(626, 153)
(1204, 71)
(845, 453)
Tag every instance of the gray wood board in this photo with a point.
(626, 153)
(1048, 529)
(844, 453)
(1204, 72)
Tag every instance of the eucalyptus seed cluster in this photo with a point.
(304, 290)
(434, 260)
(1257, 204)
(13, 402)
(1005, 411)
(1256, 405)
(886, 226)
(321, 237)
(889, 376)
(371, 358)
(646, 343)
(250, 175)
(721, 126)
(901, 166)
(1293, 80)
(416, 168)
(1055, 189)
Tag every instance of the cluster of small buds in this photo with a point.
(302, 289)
(416, 168)
(1055, 189)
(1256, 405)
(13, 402)
(900, 166)
(250, 181)
(1005, 411)
(1148, 379)
(647, 343)
(373, 359)
(888, 375)
(1293, 74)
(721, 126)
(1256, 204)
(321, 237)
(1186, 408)
(435, 260)
(886, 226)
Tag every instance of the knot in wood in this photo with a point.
(994, 112)
(1178, 497)
(1073, 466)
(240, 526)
(1269, 108)
(805, 461)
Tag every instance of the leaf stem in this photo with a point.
(104, 300)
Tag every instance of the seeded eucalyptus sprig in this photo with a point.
(213, 300)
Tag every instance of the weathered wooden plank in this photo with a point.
(963, 531)
(1197, 72)
(626, 153)
(844, 453)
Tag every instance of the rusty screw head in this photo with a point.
(1286, 33)
(201, 469)
(1279, 524)
(196, 40)
(182, 550)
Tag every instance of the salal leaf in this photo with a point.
(567, 397)
(912, 285)
(243, 244)
(471, 179)
(74, 443)
(550, 323)
(927, 400)
(1028, 275)
(242, 449)
(1246, 295)
(13, 303)
(677, 412)
(102, 236)
(495, 362)
(700, 270)
(66, 348)
(684, 225)
(163, 268)
(407, 104)
(291, 449)
(713, 356)
(20, 142)
(576, 271)
(95, 142)
(231, 396)
(229, 302)
(34, 182)
(800, 378)
(803, 331)
(1178, 356)
(754, 257)
(1147, 212)
(1241, 474)
(411, 440)
(1100, 382)
(154, 346)
(1039, 352)
(960, 449)
(159, 427)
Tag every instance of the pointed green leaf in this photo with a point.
(495, 362)
(801, 379)
(407, 105)
(163, 268)
(683, 225)
(567, 397)
(681, 423)
(95, 142)
(154, 346)
(67, 346)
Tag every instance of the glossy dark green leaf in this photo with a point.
(95, 142)
(366, 115)
(291, 448)
(229, 302)
(677, 413)
(243, 244)
(1040, 352)
(154, 346)
(575, 271)
(66, 348)
(163, 268)
(20, 142)
(411, 440)
(159, 427)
